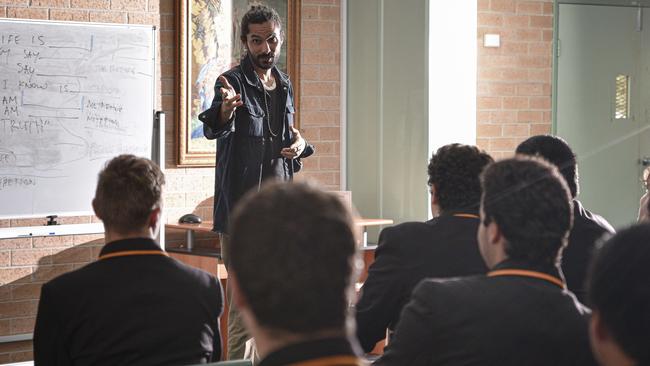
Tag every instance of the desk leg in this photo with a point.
(189, 239)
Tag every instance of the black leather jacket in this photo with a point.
(241, 140)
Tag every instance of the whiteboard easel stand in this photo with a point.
(158, 154)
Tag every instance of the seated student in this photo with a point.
(292, 260)
(442, 247)
(520, 313)
(587, 226)
(619, 291)
(134, 305)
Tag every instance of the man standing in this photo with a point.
(252, 118)
(587, 227)
(293, 275)
(520, 313)
(134, 305)
(442, 247)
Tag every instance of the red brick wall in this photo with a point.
(320, 89)
(514, 80)
(27, 263)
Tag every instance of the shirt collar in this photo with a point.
(467, 213)
(452, 212)
(130, 244)
(308, 350)
(548, 269)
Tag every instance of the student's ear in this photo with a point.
(494, 233)
(598, 331)
(598, 336)
(435, 208)
(154, 217)
(95, 209)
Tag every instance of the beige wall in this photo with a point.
(387, 127)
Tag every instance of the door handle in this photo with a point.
(645, 161)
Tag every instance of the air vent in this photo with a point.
(622, 101)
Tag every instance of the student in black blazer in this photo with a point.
(520, 313)
(442, 247)
(134, 305)
(588, 227)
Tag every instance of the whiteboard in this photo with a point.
(73, 96)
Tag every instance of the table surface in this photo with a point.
(207, 225)
(204, 226)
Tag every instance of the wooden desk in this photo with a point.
(206, 226)
(190, 230)
(364, 223)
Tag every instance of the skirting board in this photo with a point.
(50, 230)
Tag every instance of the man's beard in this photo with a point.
(260, 60)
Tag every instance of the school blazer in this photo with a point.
(503, 320)
(445, 246)
(133, 306)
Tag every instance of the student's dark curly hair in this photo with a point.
(530, 203)
(259, 14)
(619, 290)
(454, 172)
(557, 151)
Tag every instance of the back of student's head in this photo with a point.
(619, 290)
(129, 188)
(293, 252)
(557, 151)
(454, 172)
(530, 203)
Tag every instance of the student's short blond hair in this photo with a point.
(129, 188)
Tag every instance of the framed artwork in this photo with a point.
(209, 45)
